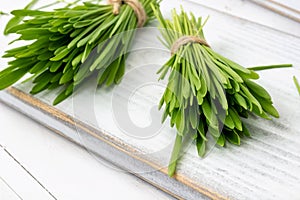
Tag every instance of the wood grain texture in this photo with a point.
(253, 12)
(266, 166)
(287, 8)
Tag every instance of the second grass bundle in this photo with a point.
(207, 94)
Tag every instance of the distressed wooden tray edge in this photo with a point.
(64, 125)
(281, 9)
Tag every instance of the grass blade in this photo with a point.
(17, 19)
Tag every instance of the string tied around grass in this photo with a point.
(135, 5)
(186, 40)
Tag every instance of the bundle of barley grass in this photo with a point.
(207, 94)
(59, 41)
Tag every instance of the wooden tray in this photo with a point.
(266, 166)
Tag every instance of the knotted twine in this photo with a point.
(185, 40)
(135, 5)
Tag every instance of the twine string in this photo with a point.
(135, 5)
(185, 40)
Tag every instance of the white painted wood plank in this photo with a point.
(252, 175)
(255, 45)
(70, 172)
(251, 11)
(23, 183)
(66, 170)
(6, 192)
(287, 8)
(294, 4)
(102, 149)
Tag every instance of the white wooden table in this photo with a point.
(37, 164)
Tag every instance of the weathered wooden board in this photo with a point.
(288, 8)
(267, 166)
(254, 12)
(9, 171)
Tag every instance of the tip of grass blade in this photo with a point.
(175, 155)
(297, 84)
(3, 13)
(260, 68)
(61, 97)
(16, 20)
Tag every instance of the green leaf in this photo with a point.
(268, 107)
(7, 71)
(44, 76)
(175, 155)
(201, 130)
(180, 122)
(165, 115)
(111, 77)
(3, 13)
(53, 86)
(207, 109)
(194, 117)
(221, 140)
(297, 84)
(10, 76)
(121, 72)
(258, 90)
(236, 119)
(199, 98)
(104, 76)
(215, 132)
(259, 68)
(201, 146)
(203, 89)
(27, 12)
(252, 75)
(17, 19)
(61, 97)
(56, 77)
(39, 87)
(251, 98)
(229, 122)
(59, 55)
(55, 66)
(232, 137)
(262, 114)
(246, 131)
(241, 100)
(68, 76)
(221, 93)
(39, 67)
